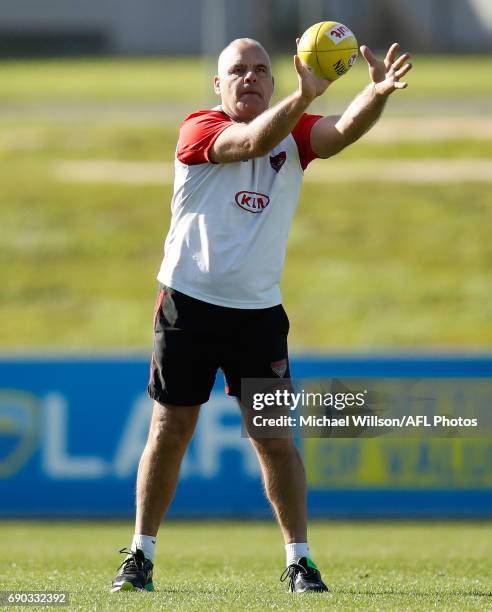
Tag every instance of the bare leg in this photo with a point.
(170, 432)
(285, 485)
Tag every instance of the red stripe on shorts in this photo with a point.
(158, 304)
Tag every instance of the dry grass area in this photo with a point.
(338, 171)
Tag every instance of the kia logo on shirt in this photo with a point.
(252, 201)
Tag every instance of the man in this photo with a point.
(239, 169)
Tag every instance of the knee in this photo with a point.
(172, 429)
(161, 436)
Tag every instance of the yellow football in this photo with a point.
(329, 48)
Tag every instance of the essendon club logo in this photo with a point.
(277, 161)
(252, 201)
(352, 59)
(279, 367)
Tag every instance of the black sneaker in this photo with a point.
(135, 574)
(304, 576)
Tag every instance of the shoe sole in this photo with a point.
(312, 591)
(128, 586)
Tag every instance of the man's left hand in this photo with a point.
(386, 74)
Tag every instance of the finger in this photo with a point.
(368, 55)
(400, 85)
(398, 63)
(303, 66)
(299, 65)
(403, 71)
(390, 56)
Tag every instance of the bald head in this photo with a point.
(244, 81)
(239, 44)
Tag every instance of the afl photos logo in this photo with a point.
(252, 201)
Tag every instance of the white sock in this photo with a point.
(295, 551)
(146, 543)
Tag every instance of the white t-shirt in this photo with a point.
(230, 222)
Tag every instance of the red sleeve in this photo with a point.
(302, 136)
(197, 134)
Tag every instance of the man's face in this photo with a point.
(245, 82)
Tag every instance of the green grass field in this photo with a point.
(179, 79)
(224, 566)
(371, 265)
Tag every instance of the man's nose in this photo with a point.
(250, 76)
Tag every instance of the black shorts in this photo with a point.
(192, 339)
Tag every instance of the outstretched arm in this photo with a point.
(332, 134)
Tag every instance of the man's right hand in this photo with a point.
(310, 84)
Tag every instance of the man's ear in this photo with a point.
(217, 85)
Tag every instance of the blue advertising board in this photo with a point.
(72, 431)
